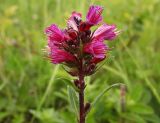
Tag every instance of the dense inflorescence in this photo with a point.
(77, 45)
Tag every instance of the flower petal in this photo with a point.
(96, 48)
(55, 35)
(74, 20)
(94, 15)
(106, 32)
(58, 55)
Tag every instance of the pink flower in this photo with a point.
(96, 48)
(106, 32)
(94, 15)
(68, 45)
(74, 20)
(55, 35)
(59, 55)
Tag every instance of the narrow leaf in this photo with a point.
(133, 118)
(73, 99)
(103, 92)
(68, 82)
(141, 109)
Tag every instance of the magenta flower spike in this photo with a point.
(79, 49)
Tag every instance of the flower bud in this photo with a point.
(87, 107)
(84, 26)
(76, 82)
(72, 34)
(90, 69)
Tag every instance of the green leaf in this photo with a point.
(141, 109)
(152, 118)
(146, 98)
(136, 92)
(68, 82)
(3, 114)
(61, 95)
(18, 119)
(103, 92)
(134, 117)
(48, 116)
(73, 99)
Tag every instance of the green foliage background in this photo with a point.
(29, 89)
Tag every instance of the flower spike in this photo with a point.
(80, 49)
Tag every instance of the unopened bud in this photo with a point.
(72, 34)
(90, 69)
(76, 82)
(92, 66)
(87, 107)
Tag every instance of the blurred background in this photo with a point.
(29, 89)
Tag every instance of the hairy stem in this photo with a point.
(81, 96)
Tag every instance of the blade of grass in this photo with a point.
(118, 73)
(49, 87)
(146, 79)
(103, 92)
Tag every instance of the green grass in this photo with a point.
(29, 90)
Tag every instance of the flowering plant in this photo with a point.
(80, 49)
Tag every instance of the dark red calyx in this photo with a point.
(72, 34)
(87, 107)
(84, 26)
(90, 69)
(77, 83)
